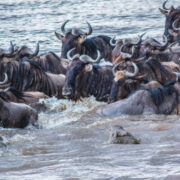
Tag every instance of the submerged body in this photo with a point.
(16, 115)
(157, 101)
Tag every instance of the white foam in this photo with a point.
(65, 111)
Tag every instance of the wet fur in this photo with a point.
(97, 82)
(28, 75)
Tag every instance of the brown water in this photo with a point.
(73, 143)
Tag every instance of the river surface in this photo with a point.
(71, 142)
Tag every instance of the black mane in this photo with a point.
(159, 94)
(89, 45)
(96, 82)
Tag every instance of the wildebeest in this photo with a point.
(163, 100)
(16, 115)
(50, 62)
(27, 97)
(170, 54)
(24, 51)
(16, 53)
(85, 78)
(125, 48)
(150, 73)
(171, 15)
(30, 98)
(28, 75)
(4, 55)
(76, 38)
(131, 50)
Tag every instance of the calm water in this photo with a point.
(71, 143)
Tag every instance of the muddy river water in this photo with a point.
(73, 143)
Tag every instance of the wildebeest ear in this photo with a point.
(163, 11)
(60, 37)
(88, 67)
(81, 39)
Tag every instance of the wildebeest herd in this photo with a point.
(144, 76)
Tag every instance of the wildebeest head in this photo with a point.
(123, 83)
(151, 44)
(126, 49)
(24, 51)
(71, 37)
(15, 53)
(9, 53)
(79, 64)
(171, 15)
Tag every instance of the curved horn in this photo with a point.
(36, 50)
(177, 75)
(172, 32)
(163, 11)
(173, 25)
(69, 56)
(114, 68)
(111, 41)
(139, 39)
(127, 55)
(158, 45)
(5, 79)
(87, 59)
(164, 5)
(90, 30)
(170, 48)
(136, 70)
(11, 48)
(4, 86)
(63, 27)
